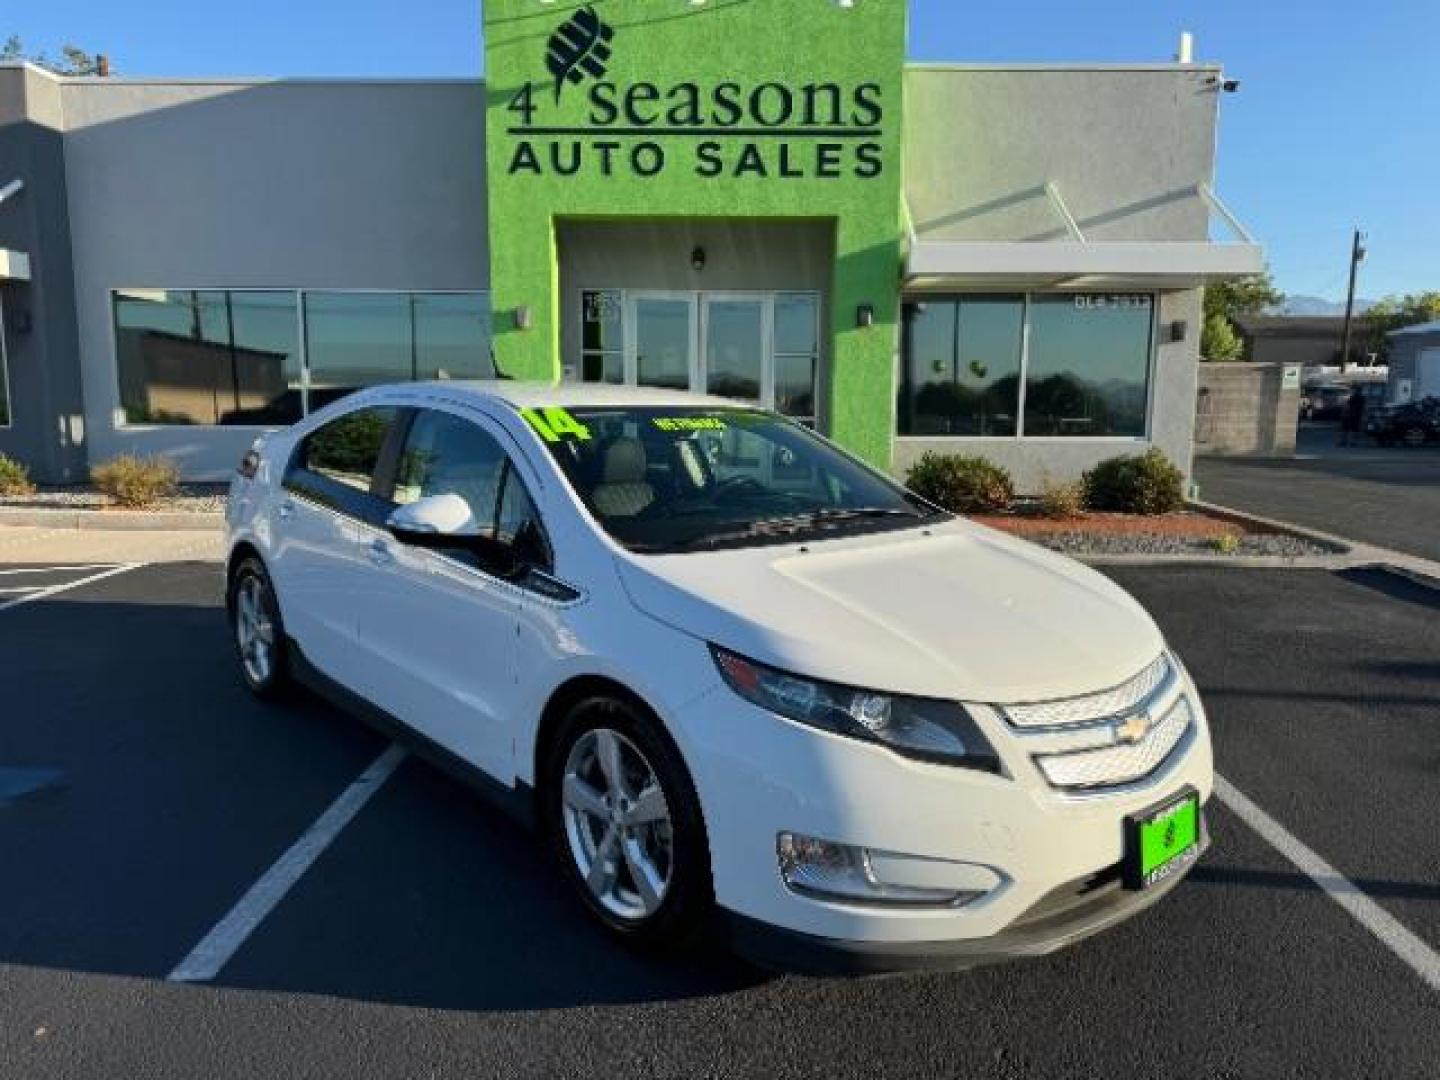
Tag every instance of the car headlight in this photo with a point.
(922, 728)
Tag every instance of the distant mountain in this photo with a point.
(1319, 306)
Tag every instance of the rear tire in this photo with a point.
(621, 816)
(258, 631)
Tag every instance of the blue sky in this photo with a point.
(1334, 126)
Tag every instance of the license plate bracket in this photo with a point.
(1162, 840)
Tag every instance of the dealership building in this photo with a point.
(756, 198)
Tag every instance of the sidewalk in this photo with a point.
(25, 544)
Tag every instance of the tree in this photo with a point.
(73, 59)
(1219, 341)
(1225, 301)
(1396, 312)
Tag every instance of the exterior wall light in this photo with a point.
(697, 259)
(865, 316)
(1178, 329)
(523, 317)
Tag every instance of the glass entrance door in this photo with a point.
(735, 336)
(662, 341)
(762, 348)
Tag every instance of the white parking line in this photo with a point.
(1416, 953)
(32, 588)
(221, 943)
(52, 569)
(52, 590)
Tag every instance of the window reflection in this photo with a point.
(1089, 365)
(207, 357)
(1085, 364)
(962, 366)
(197, 356)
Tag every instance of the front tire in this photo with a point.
(258, 631)
(621, 815)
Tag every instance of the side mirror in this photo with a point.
(444, 521)
(435, 521)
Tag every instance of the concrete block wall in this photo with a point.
(1244, 408)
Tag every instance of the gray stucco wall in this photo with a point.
(1124, 146)
(277, 184)
(47, 428)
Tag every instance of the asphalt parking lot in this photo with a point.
(142, 793)
(1389, 497)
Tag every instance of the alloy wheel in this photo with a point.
(254, 631)
(618, 824)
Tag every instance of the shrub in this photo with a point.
(136, 482)
(1062, 499)
(1225, 543)
(965, 485)
(14, 478)
(1135, 484)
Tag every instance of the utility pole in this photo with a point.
(1357, 256)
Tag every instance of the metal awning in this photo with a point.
(1077, 262)
(14, 265)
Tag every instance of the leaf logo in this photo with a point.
(579, 48)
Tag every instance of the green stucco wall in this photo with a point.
(786, 109)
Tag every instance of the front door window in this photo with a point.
(760, 348)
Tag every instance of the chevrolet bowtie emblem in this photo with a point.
(1132, 729)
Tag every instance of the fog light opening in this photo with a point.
(825, 870)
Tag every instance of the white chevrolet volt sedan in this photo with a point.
(735, 677)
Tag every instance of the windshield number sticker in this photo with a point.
(690, 423)
(555, 424)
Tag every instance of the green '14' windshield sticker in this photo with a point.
(555, 424)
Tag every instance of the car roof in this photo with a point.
(531, 395)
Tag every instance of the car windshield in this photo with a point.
(677, 479)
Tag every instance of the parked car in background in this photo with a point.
(727, 666)
(1415, 423)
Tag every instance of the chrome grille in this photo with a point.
(1111, 766)
(1092, 707)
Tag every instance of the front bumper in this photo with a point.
(758, 775)
(1069, 914)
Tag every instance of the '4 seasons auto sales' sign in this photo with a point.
(725, 129)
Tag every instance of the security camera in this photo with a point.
(1230, 86)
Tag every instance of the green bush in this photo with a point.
(1061, 499)
(1136, 484)
(136, 482)
(965, 485)
(14, 478)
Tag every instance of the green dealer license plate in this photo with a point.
(1162, 841)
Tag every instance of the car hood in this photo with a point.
(953, 611)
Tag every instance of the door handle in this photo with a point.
(287, 510)
(380, 553)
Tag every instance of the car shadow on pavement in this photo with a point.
(146, 791)
(433, 898)
(1277, 879)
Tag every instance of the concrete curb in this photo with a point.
(1285, 528)
(113, 520)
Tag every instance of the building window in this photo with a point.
(268, 357)
(207, 356)
(1088, 368)
(602, 336)
(962, 366)
(1083, 360)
